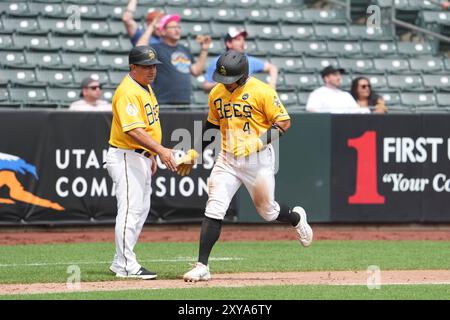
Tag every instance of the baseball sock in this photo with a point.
(287, 215)
(208, 237)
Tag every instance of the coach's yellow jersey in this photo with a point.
(133, 107)
(246, 112)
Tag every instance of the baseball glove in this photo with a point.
(185, 164)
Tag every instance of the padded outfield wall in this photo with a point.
(341, 168)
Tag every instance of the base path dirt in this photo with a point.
(243, 280)
(190, 233)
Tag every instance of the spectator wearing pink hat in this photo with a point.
(173, 83)
(137, 35)
(235, 40)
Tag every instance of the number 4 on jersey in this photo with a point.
(247, 127)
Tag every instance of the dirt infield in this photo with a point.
(243, 280)
(229, 233)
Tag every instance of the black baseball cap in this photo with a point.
(331, 70)
(143, 55)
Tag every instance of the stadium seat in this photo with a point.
(404, 82)
(288, 98)
(6, 42)
(390, 98)
(88, 11)
(48, 9)
(288, 64)
(323, 16)
(116, 28)
(218, 14)
(12, 58)
(54, 77)
(317, 64)
(441, 82)
(368, 33)
(200, 97)
(197, 82)
(238, 3)
(418, 99)
(18, 76)
(114, 61)
(196, 28)
(28, 95)
(16, 8)
(80, 60)
(426, 64)
(263, 31)
(435, 17)
(377, 81)
(112, 11)
(266, 47)
(125, 45)
(22, 25)
(288, 15)
(251, 48)
(344, 48)
(219, 30)
(43, 59)
(216, 47)
(297, 31)
(356, 65)
(443, 99)
(60, 25)
(302, 81)
(331, 31)
(303, 97)
(96, 27)
(115, 77)
(379, 49)
(275, 3)
(264, 77)
(31, 42)
(391, 65)
(67, 43)
(100, 76)
(4, 96)
(414, 49)
(188, 13)
(122, 3)
(180, 3)
(310, 47)
(106, 44)
(63, 95)
(108, 93)
(254, 15)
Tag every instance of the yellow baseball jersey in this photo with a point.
(133, 107)
(246, 112)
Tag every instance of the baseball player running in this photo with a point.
(250, 116)
(134, 141)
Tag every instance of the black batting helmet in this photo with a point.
(231, 67)
(143, 55)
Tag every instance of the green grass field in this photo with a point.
(49, 263)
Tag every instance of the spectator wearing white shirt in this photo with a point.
(330, 98)
(91, 91)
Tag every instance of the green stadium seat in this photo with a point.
(275, 3)
(108, 93)
(288, 98)
(377, 81)
(44, 59)
(96, 27)
(418, 99)
(302, 81)
(60, 25)
(312, 48)
(264, 77)
(180, 3)
(79, 60)
(48, 9)
(288, 64)
(344, 48)
(435, 17)
(100, 76)
(218, 14)
(323, 16)
(31, 42)
(414, 49)
(84, 10)
(200, 97)
(391, 65)
(219, 30)
(82, 2)
(115, 77)
(317, 64)
(28, 95)
(63, 95)
(303, 97)
(390, 98)
(106, 44)
(346, 82)
(116, 28)
(356, 65)
(297, 31)
(12, 58)
(254, 15)
(331, 31)
(188, 13)
(369, 33)
(6, 42)
(196, 28)
(122, 3)
(75, 44)
(112, 11)
(142, 10)
(237, 3)
(125, 45)
(263, 31)
(216, 47)
(426, 64)
(114, 61)
(265, 47)
(4, 96)
(18, 76)
(16, 9)
(379, 49)
(22, 25)
(288, 15)
(197, 82)
(435, 81)
(447, 63)
(54, 77)
(443, 99)
(404, 82)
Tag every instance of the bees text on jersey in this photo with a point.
(246, 112)
(133, 107)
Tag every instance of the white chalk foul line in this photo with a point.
(178, 259)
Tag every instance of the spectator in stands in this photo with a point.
(366, 98)
(91, 91)
(173, 83)
(235, 40)
(137, 35)
(330, 98)
(445, 5)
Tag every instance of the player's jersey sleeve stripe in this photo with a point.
(282, 117)
(133, 125)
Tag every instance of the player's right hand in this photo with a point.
(166, 156)
(186, 163)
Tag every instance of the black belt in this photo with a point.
(143, 152)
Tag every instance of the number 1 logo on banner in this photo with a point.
(366, 191)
